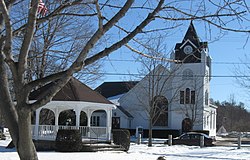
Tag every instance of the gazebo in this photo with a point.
(84, 103)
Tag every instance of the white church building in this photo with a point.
(174, 98)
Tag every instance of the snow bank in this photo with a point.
(142, 152)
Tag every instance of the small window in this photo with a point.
(207, 120)
(206, 97)
(206, 77)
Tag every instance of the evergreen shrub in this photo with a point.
(68, 141)
(121, 137)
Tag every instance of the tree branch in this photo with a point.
(42, 81)
(29, 32)
(64, 78)
(55, 87)
(55, 13)
(149, 56)
(204, 18)
(7, 5)
(8, 41)
(8, 30)
(126, 39)
(99, 14)
(77, 65)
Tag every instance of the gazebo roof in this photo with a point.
(74, 90)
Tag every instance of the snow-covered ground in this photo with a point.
(142, 152)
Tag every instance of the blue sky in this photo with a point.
(226, 53)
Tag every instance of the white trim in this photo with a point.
(189, 42)
(69, 103)
(213, 106)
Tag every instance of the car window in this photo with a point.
(195, 136)
(186, 136)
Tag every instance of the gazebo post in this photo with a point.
(37, 124)
(56, 120)
(89, 119)
(78, 114)
(108, 130)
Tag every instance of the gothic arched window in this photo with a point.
(160, 111)
(187, 96)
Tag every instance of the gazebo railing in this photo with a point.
(48, 132)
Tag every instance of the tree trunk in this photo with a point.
(150, 133)
(25, 146)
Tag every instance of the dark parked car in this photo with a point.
(192, 139)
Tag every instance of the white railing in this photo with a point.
(98, 132)
(48, 132)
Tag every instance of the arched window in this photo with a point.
(160, 110)
(187, 74)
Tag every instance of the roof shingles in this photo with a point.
(74, 90)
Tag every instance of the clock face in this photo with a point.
(188, 49)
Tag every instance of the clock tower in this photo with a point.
(191, 82)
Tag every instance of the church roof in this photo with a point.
(110, 89)
(125, 112)
(74, 90)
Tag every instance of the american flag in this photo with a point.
(42, 9)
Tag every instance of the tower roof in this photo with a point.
(191, 35)
(192, 41)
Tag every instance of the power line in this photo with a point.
(218, 62)
(139, 74)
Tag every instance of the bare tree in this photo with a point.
(19, 28)
(18, 114)
(53, 49)
(156, 92)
